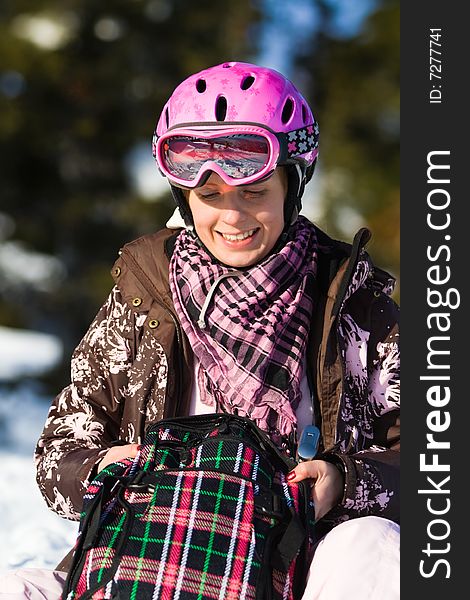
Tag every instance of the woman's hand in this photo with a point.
(118, 453)
(327, 483)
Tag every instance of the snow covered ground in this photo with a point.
(30, 534)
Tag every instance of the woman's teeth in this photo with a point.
(239, 236)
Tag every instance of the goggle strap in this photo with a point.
(298, 141)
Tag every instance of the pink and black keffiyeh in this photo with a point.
(248, 328)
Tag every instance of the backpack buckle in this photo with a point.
(269, 505)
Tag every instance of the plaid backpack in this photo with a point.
(204, 511)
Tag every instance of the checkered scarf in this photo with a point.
(248, 328)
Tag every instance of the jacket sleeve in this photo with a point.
(84, 418)
(372, 475)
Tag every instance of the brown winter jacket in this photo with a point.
(135, 366)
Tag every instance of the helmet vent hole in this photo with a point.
(287, 110)
(167, 117)
(201, 85)
(220, 108)
(247, 82)
(304, 114)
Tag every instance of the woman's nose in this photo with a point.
(233, 211)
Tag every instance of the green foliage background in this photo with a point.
(69, 117)
(356, 86)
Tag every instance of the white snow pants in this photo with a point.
(357, 560)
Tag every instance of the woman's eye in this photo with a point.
(254, 193)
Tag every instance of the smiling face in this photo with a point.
(239, 225)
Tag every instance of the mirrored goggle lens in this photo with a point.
(239, 155)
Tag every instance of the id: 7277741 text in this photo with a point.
(435, 66)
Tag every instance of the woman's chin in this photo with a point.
(239, 258)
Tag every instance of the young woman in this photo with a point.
(253, 310)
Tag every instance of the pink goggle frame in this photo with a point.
(240, 154)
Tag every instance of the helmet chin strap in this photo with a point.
(182, 204)
(295, 190)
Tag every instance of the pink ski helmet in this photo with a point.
(242, 96)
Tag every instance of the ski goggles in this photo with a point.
(239, 154)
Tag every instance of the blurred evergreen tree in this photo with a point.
(81, 83)
(354, 88)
